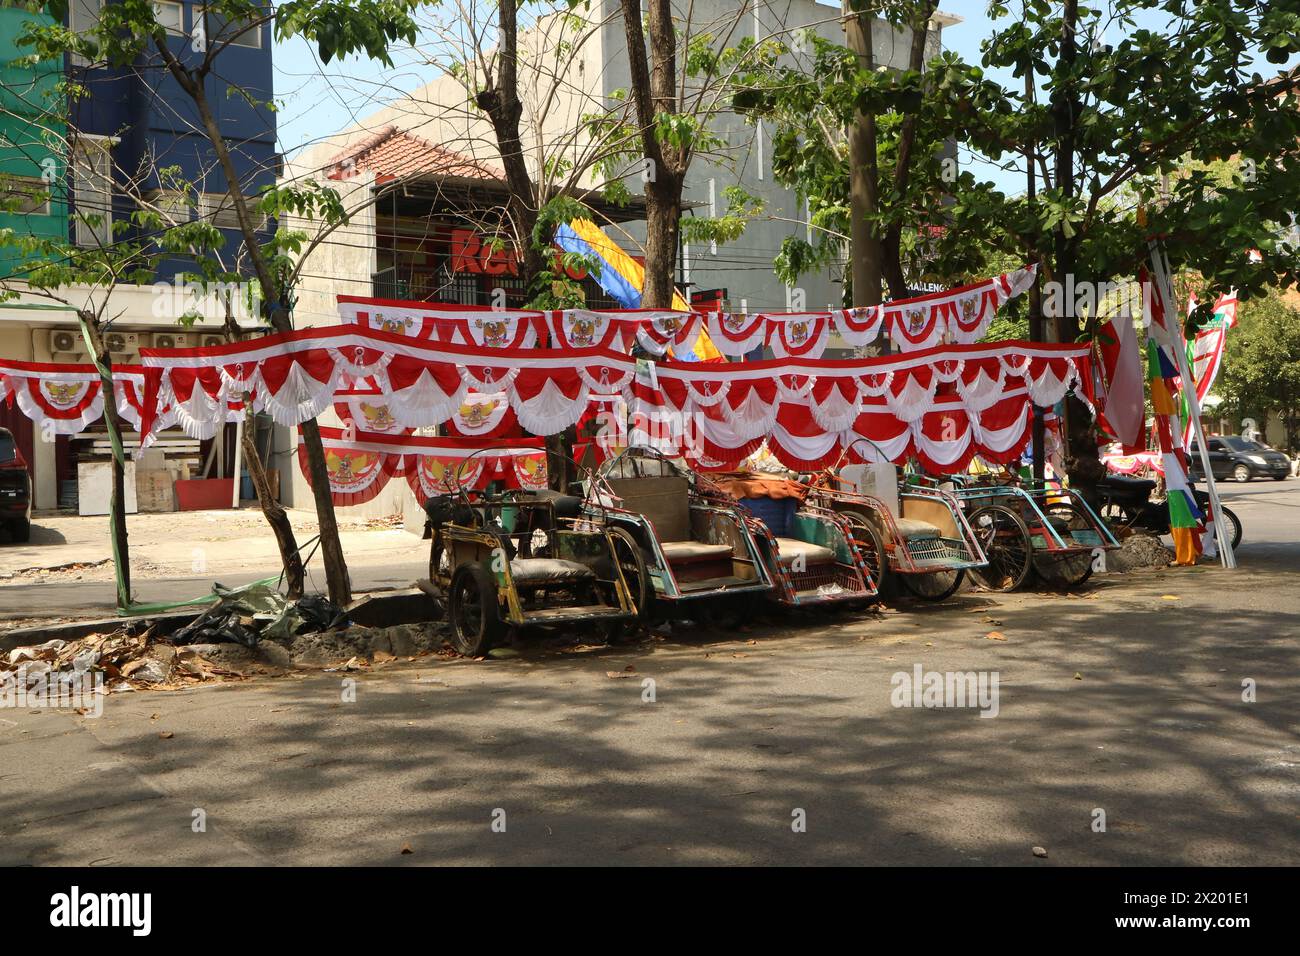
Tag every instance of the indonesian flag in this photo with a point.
(1123, 414)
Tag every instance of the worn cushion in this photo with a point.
(684, 552)
(546, 570)
(812, 553)
(911, 528)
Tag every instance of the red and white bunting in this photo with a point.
(361, 463)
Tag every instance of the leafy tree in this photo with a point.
(1261, 365)
(128, 36)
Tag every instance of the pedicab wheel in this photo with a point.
(632, 563)
(473, 612)
(934, 585)
(869, 543)
(1005, 541)
(1236, 526)
(1075, 567)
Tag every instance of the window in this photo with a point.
(171, 204)
(220, 208)
(24, 196)
(92, 192)
(170, 16)
(83, 16)
(217, 29)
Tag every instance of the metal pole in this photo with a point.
(1161, 267)
(239, 455)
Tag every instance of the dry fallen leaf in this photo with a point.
(1169, 597)
(996, 636)
(166, 735)
(1078, 676)
(406, 849)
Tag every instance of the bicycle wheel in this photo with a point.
(1076, 529)
(1005, 541)
(869, 543)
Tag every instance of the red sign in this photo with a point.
(469, 253)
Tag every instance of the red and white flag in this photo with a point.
(1123, 412)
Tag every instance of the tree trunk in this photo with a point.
(1082, 463)
(866, 252)
(117, 499)
(663, 235)
(336, 569)
(272, 510)
(892, 244)
(654, 92)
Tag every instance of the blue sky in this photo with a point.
(317, 101)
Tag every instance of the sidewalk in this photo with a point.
(66, 570)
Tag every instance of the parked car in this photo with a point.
(1240, 459)
(15, 489)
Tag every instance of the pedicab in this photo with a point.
(812, 552)
(684, 548)
(522, 559)
(925, 539)
(1026, 526)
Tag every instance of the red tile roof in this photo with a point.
(392, 153)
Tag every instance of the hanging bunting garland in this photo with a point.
(798, 334)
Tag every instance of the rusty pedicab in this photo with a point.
(684, 548)
(924, 538)
(1027, 527)
(813, 553)
(522, 559)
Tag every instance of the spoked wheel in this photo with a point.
(1235, 524)
(934, 585)
(473, 612)
(1005, 541)
(1075, 567)
(632, 563)
(869, 543)
(438, 568)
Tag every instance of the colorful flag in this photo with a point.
(624, 279)
(1185, 517)
(1122, 412)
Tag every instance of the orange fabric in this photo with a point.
(1187, 545)
(741, 485)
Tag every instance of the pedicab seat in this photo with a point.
(812, 553)
(687, 552)
(530, 571)
(913, 530)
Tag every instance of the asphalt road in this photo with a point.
(1124, 701)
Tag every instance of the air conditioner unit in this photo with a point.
(170, 340)
(66, 340)
(210, 340)
(122, 343)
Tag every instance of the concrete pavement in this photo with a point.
(1126, 699)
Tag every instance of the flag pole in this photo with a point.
(1160, 265)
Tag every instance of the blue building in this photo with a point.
(110, 148)
(139, 118)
